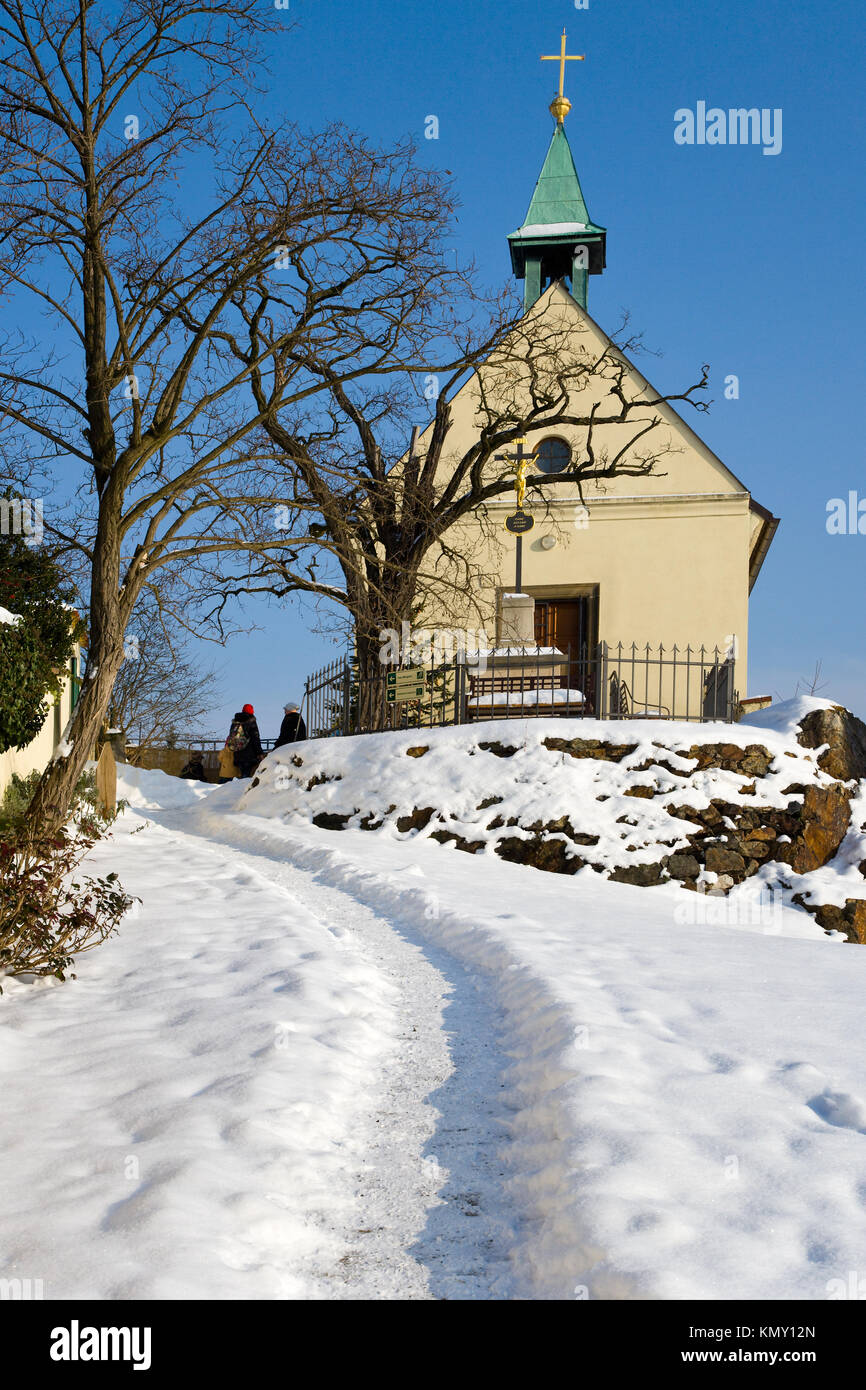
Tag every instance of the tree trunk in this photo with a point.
(55, 794)
(372, 707)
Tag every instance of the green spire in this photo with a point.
(558, 196)
(557, 239)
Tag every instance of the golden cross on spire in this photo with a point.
(560, 106)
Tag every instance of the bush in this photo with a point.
(48, 915)
(19, 793)
(35, 652)
(16, 799)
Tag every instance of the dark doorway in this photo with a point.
(571, 625)
(566, 622)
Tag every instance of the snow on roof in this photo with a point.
(549, 229)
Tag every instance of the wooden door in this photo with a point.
(571, 625)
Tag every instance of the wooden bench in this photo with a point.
(491, 695)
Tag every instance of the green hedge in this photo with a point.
(35, 653)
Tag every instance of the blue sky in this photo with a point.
(750, 262)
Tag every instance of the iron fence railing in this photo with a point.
(608, 681)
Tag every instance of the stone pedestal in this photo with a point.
(517, 625)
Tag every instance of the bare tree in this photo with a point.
(160, 688)
(144, 395)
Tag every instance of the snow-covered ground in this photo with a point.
(356, 1065)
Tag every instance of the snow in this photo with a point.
(549, 229)
(319, 1065)
(521, 698)
(372, 774)
(151, 789)
(787, 714)
(9, 619)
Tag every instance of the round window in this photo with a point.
(552, 455)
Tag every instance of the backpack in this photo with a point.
(238, 737)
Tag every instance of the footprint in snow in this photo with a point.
(840, 1108)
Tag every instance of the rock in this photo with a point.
(850, 919)
(753, 761)
(445, 837)
(329, 820)
(756, 762)
(725, 861)
(561, 826)
(846, 735)
(590, 748)
(419, 817)
(644, 792)
(488, 801)
(499, 750)
(553, 856)
(640, 875)
(321, 778)
(418, 751)
(683, 866)
(756, 849)
(823, 824)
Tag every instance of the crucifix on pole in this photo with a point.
(520, 521)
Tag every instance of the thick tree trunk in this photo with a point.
(372, 707)
(55, 794)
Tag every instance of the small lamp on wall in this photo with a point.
(548, 542)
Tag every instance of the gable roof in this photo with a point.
(766, 524)
(764, 532)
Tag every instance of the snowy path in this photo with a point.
(164, 1125)
(343, 1066)
(431, 1145)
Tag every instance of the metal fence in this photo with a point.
(608, 681)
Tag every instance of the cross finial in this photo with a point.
(560, 106)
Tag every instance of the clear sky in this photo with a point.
(751, 262)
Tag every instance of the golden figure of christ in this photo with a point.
(560, 106)
(520, 466)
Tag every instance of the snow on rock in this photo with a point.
(10, 619)
(786, 715)
(712, 806)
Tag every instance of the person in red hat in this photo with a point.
(244, 741)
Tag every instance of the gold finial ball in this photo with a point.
(559, 108)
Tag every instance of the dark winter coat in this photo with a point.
(292, 729)
(247, 758)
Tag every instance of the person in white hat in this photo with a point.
(293, 728)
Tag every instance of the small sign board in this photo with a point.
(519, 522)
(405, 685)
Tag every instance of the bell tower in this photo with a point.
(557, 240)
